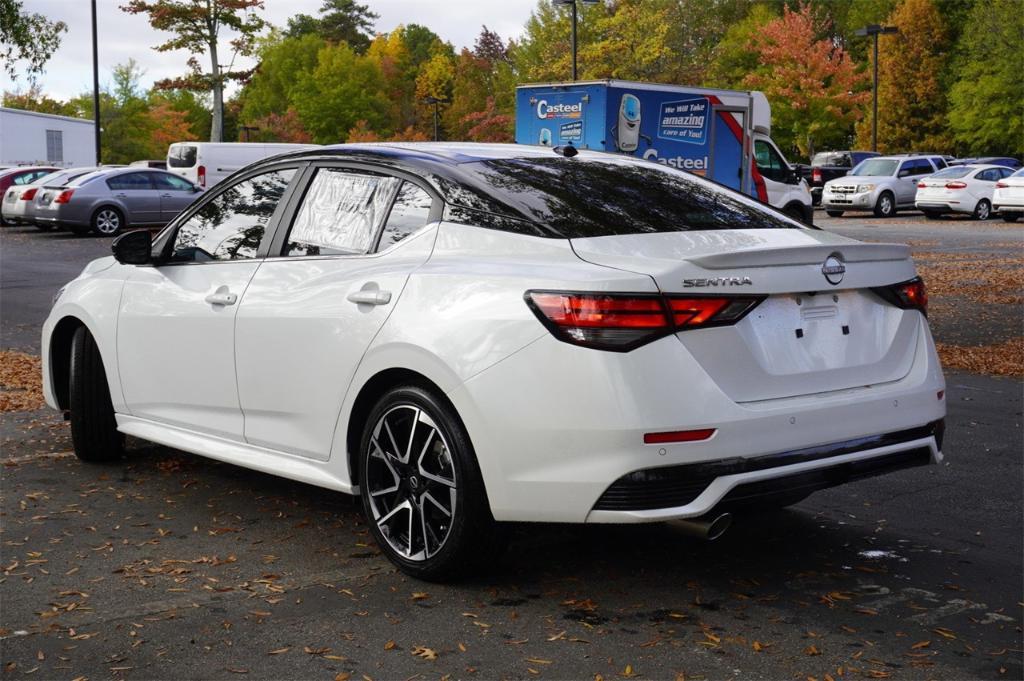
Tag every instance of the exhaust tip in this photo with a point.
(708, 528)
(719, 526)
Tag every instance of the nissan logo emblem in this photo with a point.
(833, 269)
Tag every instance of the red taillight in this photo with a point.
(1001, 185)
(956, 185)
(622, 322)
(816, 174)
(29, 194)
(64, 196)
(202, 175)
(921, 185)
(909, 295)
(678, 436)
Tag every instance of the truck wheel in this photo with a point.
(983, 211)
(422, 491)
(835, 213)
(94, 432)
(885, 207)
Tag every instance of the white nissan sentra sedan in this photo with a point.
(470, 334)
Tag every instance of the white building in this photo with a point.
(27, 137)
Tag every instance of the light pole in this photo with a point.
(436, 101)
(575, 20)
(95, 86)
(246, 129)
(874, 30)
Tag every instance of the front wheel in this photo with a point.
(107, 221)
(834, 213)
(983, 211)
(94, 432)
(885, 207)
(421, 488)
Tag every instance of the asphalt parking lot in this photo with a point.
(172, 566)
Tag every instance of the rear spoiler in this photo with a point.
(802, 255)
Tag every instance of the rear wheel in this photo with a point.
(107, 221)
(885, 207)
(1010, 217)
(421, 488)
(93, 427)
(983, 211)
(834, 213)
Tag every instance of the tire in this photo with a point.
(834, 213)
(79, 230)
(931, 215)
(1010, 217)
(107, 221)
(94, 432)
(44, 226)
(795, 213)
(452, 536)
(885, 207)
(983, 211)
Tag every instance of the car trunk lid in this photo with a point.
(818, 329)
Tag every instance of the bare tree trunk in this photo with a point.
(217, 122)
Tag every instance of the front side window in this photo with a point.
(232, 224)
(172, 182)
(769, 162)
(130, 181)
(408, 215)
(989, 175)
(340, 213)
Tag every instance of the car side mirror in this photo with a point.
(903, 173)
(196, 189)
(133, 248)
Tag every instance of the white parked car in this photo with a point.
(1008, 197)
(883, 185)
(960, 189)
(469, 334)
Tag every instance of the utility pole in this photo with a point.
(436, 101)
(95, 85)
(874, 30)
(575, 21)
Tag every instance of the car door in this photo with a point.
(774, 171)
(311, 311)
(138, 195)
(983, 184)
(907, 177)
(175, 335)
(176, 194)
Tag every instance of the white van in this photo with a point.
(207, 163)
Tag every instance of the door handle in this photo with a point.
(222, 297)
(121, 196)
(370, 297)
(166, 196)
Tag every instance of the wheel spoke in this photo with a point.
(419, 462)
(412, 435)
(394, 443)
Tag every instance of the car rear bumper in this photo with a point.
(556, 426)
(942, 207)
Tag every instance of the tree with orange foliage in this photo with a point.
(490, 125)
(911, 98)
(815, 90)
(168, 126)
(284, 127)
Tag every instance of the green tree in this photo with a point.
(26, 37)
(340, 21)
(33, 99)
(344, 88)
(282, 63)
(194, 107)
(543, 53)
(815, 90)
(911, 98)
(196, 26)
(733, 59)
(986, 113)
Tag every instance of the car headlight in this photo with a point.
(865, 188)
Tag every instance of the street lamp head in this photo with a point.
(875, 29)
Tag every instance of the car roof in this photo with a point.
(445, 153)
(22, 169)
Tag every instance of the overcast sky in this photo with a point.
(123, 36)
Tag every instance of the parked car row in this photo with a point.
(104, 201)
(887, 184)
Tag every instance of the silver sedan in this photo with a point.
(20, 203)
(108, 201)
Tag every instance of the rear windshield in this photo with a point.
(52, 177)
(953, 171)
(831, 158)
(576, 198)
(87, 178)
(181, 156)
(876, 166)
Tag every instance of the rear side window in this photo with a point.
(231, 226)
(130, 181)
(182, 155)
(578, 198)
(409, 213)
(340, 213)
